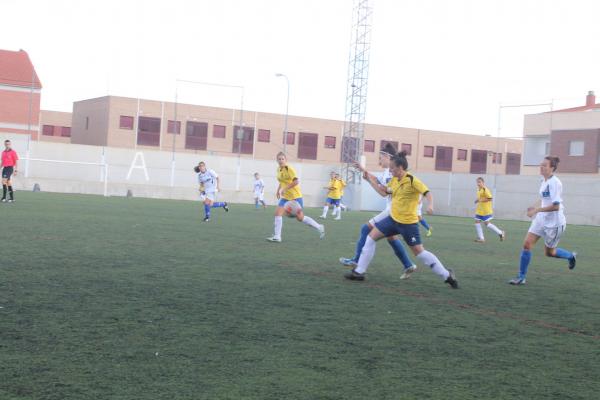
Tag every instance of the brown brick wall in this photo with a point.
(588, 163)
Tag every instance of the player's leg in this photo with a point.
(431, 260)
(325, 208)
(400, 251)
(495, 229)
(551, 239)
(278, 222)
(533, 235)
(337, 212)
(256, 206)
(207, 206)
(360, 243)
(368, 251)
(11, 193)
(479, 231)
(261, 199)
(305, 219)
(4, 187)
(425, 225)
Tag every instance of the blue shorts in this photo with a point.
(410, 232)
(484, 217)
(334, 202)
(283, 201)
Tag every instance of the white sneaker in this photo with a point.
(338, 218)
(321, 231)
(322, 216)
(4, 200)
(274, 239)
(408, 271)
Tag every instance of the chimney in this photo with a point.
(590, 99)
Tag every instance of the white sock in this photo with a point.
(479, 231)
(366, 255)
(495, 229)
(432, 261)
(277, 226)
(342, 206)
(337, 212)
(311, 222)
(325, 209)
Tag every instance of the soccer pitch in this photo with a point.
(114, 298)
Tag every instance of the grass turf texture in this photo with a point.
(138, 299)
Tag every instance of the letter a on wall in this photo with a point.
(138, 163)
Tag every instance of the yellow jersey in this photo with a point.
(336, 189)
(405, 198)
(285, 176)
(484, 208)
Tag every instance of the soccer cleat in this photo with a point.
(573, 261)
(503, 236)
(3, 200)
(348, 262)
(451, 280)
(274, 239)
(206, 219)
(354, 276)
(517, 281)
(11, 200)
(428, 233)
(322, 216)
(337, 218)
(408, 271)
(321, 232)
(479, 241)
(226, 207)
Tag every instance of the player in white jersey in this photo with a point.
(422, 221)
(549, 221)
(259, 192)
(385, 156)
(208, 182)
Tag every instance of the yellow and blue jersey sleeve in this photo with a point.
(286, 175)
(406, 193)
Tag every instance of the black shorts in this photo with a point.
(7, 172)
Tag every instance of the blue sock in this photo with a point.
(525, 259)
(364, 232)
(255, 203)
(562, 253)
(424, 223)
(207, 210)
(218, 204)
(400, 252)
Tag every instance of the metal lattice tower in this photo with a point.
(356, 92)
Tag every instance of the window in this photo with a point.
(384, 142)
(428, 151)
(407, 147)
(369, 146)
(330, 142)
(243, 140)
(174, 127)
(48, 130)
(291, 138)
(497, 158)
(443, 158)
(148, 131)
(547, 148)
(478, 161)
(65, 131)
(264, 135)
(219, 131)
(196, 134)
(307, 145)
(125, 122)
(576, 148)
(513, 163)
(461, 155)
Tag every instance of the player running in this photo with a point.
(289, 189)
(8, 164)
(484, 212)
(384, 161)
(259, 192)
(405, 189)
(334, 196)
(209, 186)
(548, 222)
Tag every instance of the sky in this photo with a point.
(435, 64)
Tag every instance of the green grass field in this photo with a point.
(138, 299)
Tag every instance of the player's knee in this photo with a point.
(550, 252)
(365, 229)
(527, 245)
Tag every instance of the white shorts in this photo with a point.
(212, 196)
(259, 196)
(379, 217)
(551, 235)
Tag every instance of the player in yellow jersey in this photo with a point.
(342, 205)
(289, 189)
(405, 190)
(334, 196)
(484, 212)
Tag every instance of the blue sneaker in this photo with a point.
(573, 261)
(348, 262)
(517, 281)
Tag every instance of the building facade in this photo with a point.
(148, 124)
(572, 134)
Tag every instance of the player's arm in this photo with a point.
(278, 194)
(373, 181)
(218, 184)
(429, 198)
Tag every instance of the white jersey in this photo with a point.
(208, 179)
(259, 186)
(384, 179)
(551, 193)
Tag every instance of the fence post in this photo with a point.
(105, 180)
